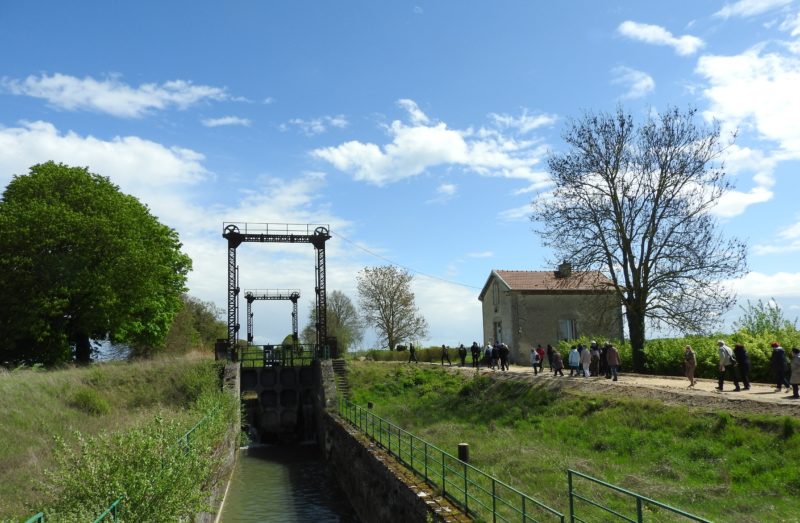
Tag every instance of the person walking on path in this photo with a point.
(412, 353)
(604, 361)
(795, 381)
(540, 352)
(550, 351)
(558, 364)
(778, 364)
(462, 354)
(487, 354)
(574, 361)
(594, 366)
(535, 361)
(726, 360)
(690, 364)
(476, 355)
(503, 348)
(586, 360)
(446, 356)
(612, 356)
(743, 362)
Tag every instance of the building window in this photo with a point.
(495, 294)
(567, 329)
(498, 332)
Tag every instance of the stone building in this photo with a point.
(525, 308)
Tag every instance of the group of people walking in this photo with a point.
(593, 360)
(735, 364)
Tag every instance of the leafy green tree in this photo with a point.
(196, 326)
(763, 318)
(388, 304)
(635, 201)
(343, 323)
(82, 261)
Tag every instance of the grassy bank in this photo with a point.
(724, 466)
(40, 407)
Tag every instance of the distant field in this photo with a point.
(36, 406)
(722, 465)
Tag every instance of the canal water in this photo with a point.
(284, 484)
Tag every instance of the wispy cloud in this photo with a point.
(483, 254)
(317, 125)
(445, 192)
(523, 123)
(268, 100)
(416, 147)
(226, 120)
(111, 95)
(415, 114)
(657, 35)
(638, 83)
(747, 8)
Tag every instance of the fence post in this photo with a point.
(571, 501)
(411, 448)
(494, 502)
(639, 509)
(524, 514)
(466, 496)
(444, 474)
(426, 461)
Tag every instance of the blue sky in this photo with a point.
(418, 130)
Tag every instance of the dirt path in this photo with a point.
(761, 398)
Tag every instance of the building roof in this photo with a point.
(550, 281)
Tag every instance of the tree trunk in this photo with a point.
(636, 335)
(83, 349)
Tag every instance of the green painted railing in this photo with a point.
(110, 513)
(257, 356)
(477, 493)
(596, 509)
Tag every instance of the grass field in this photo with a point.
(724, 466)
(37, 406)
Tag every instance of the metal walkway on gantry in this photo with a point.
(240, 232)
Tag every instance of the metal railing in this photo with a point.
(477, 493)
(110, 511)
(36, 518)
(257, 356)
(597, 509)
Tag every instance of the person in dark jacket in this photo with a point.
(550, 351)
(462, 354)
(778, 364)
(476, 355)
(558, 364)
(604, 370)
(445, 356)
(412, 353)
(743, 362)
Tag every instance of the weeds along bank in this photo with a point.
(722, 465)
(663, 357)
(72, 441)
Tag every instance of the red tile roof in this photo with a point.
(549, 281)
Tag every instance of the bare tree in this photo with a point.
(388, 304)
(343, 322)
(635, 202)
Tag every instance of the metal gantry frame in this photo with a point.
(276, 294)
(239, 232)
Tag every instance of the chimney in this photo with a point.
(565, 269)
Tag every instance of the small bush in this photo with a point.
(90, 401)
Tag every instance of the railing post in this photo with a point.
(466, 496)
(444, 475)
(639, 517)
(494, 501)
(426, 461)
(380, 431)
(524, 514)
(571, 499)
(411, 448)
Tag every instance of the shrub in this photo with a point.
(90, 401)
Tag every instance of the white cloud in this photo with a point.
(525, 123)
(747, 8)
(638, 83)
(517, 213)
(756, 90)
(740, 161)
(788, 240)
(226, 120)
(757, 284)
(268, 100)
(112, 96)
(414, 112)
(415, 148)
(483, 254)
(317, 125)
(447, 189)
(657, 35)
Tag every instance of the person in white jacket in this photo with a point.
(586, 361)
(726, 361)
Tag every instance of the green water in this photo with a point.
(284, 484)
